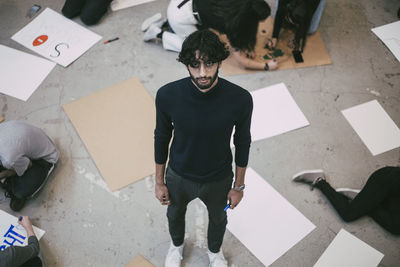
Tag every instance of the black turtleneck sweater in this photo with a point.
(202, 125)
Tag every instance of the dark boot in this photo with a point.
(16, 204)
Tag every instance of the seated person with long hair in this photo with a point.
(379, 198)
(238, 19)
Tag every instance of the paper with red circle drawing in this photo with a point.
(55, 37)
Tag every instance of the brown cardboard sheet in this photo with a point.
(116, 125)
(139, 261)
(315, 53)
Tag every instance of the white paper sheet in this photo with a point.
(21, 73)
(348, 250)
(55, 37)
(390, 35)
(11, 232)
(374, 126)
(120, 4)
(265, 222)
(274, 112)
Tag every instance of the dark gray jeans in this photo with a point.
(213, 194)
(25, 186)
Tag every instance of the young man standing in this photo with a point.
(201, 111)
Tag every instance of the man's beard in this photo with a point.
(203, 86)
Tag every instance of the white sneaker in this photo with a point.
(151, 33)
(153, 19)
(310, 177)
(174, 256)
(217, 259)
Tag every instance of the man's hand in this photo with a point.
(234, 197)
(27, 224)
(162, 195)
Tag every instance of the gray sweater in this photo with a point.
(15, 256)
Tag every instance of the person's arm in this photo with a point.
(16, 255)
(241, 140)
(301, 33)
(250, 63)
(10, 172)
(278, 21)
(161, 189)
(162, 137)
(7, 173)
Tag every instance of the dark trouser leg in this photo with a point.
(214, 195)
(34, 262)
(24, 186)
(388, 213)
(72, 8)
(93, 10)
(388, 218)
(181, 192)
(377, 188)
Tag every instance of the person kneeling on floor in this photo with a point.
(27, 157)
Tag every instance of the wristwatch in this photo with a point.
(239, 188)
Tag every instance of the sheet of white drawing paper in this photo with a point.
(120, 4)
(55, 37)
(265, 222)
(348, 250)
(274, 112)
(374, 126)
(11, 232)
(21, 73)
(390, 35)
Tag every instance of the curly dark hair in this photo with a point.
(241, 20)
(208, 44)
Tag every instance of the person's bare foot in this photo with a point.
(1, 119)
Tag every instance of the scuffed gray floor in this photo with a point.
(87, 225)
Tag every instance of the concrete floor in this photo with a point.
(87, 225)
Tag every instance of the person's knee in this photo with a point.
(69, 13)
(396, 228)
(347, 217)
(21, 194)
(218, 219)
(396, 232)
(90, 19)
(93, 11)
(175, 213)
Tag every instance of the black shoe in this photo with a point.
(16, 204)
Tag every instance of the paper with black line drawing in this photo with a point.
(55, 37)
(390, 36)
(21, 73)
